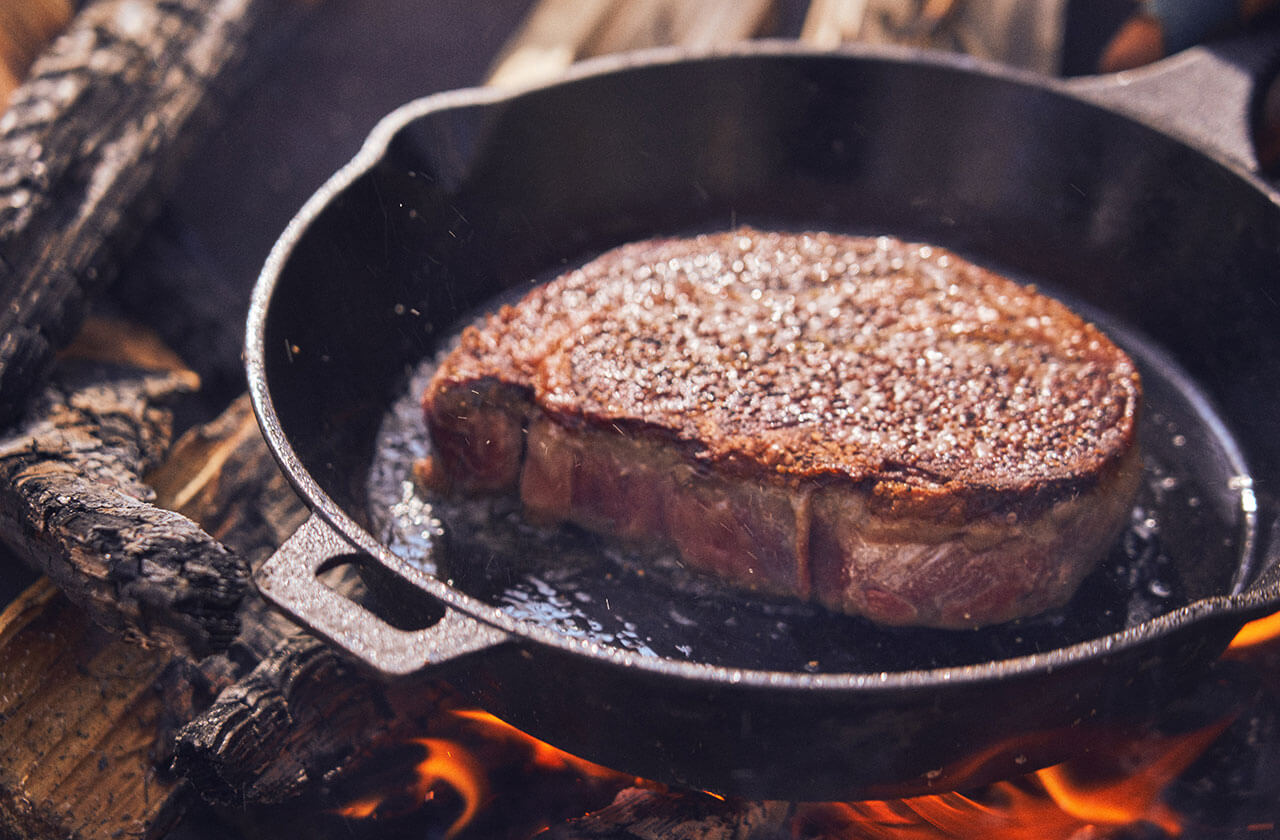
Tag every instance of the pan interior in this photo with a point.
(1188, 537)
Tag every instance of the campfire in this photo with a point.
(461, 780)
(305, 741)
(146, 691)
(451, 779)
(1105, 793)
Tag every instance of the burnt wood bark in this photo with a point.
(73, 505)
(87, 719)
(222, 476)
(298, 718)
(87, 147)
(302, 712)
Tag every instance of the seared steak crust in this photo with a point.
(881, 426)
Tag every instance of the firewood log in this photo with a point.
(88, 146)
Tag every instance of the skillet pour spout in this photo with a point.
(459, 199)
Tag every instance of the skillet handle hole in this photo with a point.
(389, 597)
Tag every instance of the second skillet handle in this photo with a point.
(1204, 95)
(289, 579)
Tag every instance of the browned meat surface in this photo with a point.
(882, 427)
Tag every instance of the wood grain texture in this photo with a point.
(78, 716)
(88, 720)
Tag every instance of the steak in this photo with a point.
(882, 427)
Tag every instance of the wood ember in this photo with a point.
(87, 146)
(643, 814)
(73, 505)
(78, 716)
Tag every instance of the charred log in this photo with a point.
(300, 716)
(107, 418)
(87, 146)
(74, 506)
(222, 476)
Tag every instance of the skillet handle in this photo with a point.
(1204, 95)
(289, 580)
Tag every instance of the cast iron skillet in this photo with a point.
(460, 198)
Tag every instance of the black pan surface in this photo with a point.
(463, 199)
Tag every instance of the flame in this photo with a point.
(1068, 800)
(361, 809)
(1018, 810)
(445, 763)
(1013, 814)
(476, 745)
(542, 755)
(1118, 805)
(1134, 795)
(1107, 789)
(1257, 632)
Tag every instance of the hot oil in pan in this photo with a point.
(1188, 532)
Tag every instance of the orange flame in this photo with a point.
(542, 755)
(1133, 796)
(1257, 631)
(1013, 814)
(446, 763)
(361, 809)
(1064, 801)
(1109, 788)
(450, 761)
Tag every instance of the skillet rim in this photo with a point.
(1237, 608)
